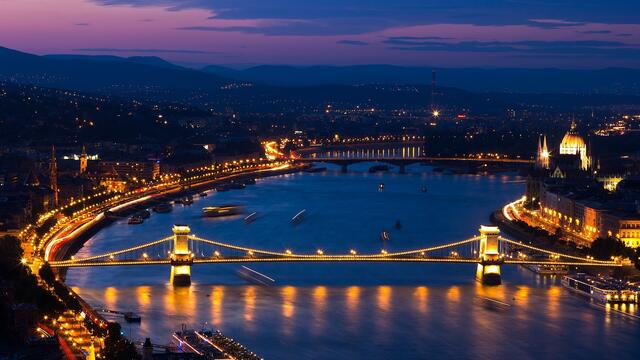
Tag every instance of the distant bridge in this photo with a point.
(402, 162)
(182, 250)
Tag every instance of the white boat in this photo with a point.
(298, 217)
(251, 217)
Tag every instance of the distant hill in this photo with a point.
(146, 60)
(608, 81)
(102, 72)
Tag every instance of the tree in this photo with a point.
(47, 274)
(116, 346)
(605, 248)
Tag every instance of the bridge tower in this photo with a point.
(488, 271)
(181, 259)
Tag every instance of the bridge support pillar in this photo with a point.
(488, 271)
(343, 168)
(181, 259)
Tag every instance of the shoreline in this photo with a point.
(100, 221)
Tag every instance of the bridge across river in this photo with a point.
(181, 251)
(398, 157)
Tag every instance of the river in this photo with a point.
(364, 310)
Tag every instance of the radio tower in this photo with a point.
(434, 110)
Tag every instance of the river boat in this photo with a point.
(255, 277)
(316, 169)
(162, 208)
(602, 290)
(379, 168)
(251, 217)
(135, 220)
(132, 317)
(547, 269)
(222, 210)
(145, 214)
(297, 218)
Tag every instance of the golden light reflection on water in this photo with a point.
(352, 294)
(288, 294)
(553, 301)
(421, 294)
(249, 296)
(217, 298)
(522, 296)
(319, 307)
(110, 297)
(143, 296)
(288, 301)
(453, 294)
(384, 297)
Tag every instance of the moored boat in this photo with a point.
(162, 208)
(602, 290)
(135, 220)
(145, 214)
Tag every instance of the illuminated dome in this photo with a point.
(572, 142)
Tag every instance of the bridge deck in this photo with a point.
(330, 259)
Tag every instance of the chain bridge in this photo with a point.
(183, 250)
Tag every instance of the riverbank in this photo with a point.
(81, 233)
(549, 243)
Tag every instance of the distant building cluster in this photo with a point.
(30, 185)
(579, 199)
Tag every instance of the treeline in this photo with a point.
(51, 298)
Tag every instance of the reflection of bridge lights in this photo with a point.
(320, 252)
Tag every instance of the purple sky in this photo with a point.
(451, 33)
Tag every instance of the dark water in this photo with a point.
(364, 311)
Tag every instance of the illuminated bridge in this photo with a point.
(182, 250)
(400, 157)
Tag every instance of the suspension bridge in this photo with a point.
(182, 250)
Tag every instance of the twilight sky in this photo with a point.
(445, 33)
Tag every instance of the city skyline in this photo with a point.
(592, 34)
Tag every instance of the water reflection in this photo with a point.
(421, 294)
(249, 297)
(217, 297)
(347, 311)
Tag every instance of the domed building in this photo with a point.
(572, 158)
(573, 144)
